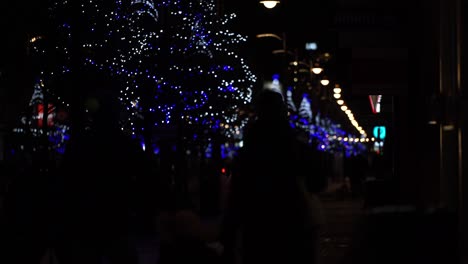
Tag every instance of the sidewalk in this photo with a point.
(354, 234)
(382, 234)
(343, 216)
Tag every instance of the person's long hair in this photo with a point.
(271, 123)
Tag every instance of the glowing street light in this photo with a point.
(316, 69)
(269, 4)
(325, 81)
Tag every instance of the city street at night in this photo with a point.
(233, 132)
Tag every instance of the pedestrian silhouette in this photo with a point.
(27, 215)
(99, 176)
(357, 169)
(269, 213)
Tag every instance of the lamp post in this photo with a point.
(282, 70)
(282, 39)
(299, 73)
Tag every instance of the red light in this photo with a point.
(50, 115)
(223, 170)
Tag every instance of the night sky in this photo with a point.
(301, 23)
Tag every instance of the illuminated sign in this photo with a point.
(50, 115)
(311, 46)
(375, 101)
(380, 132)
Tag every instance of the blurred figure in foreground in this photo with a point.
(184, 237)
(98, 177)
(270, 210)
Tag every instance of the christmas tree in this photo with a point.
(209, 80)
(43, 127)
(179, 70)
(39, 122)
(117, 39)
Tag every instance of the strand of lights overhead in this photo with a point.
(329, 135)
(324, 130)
(348, 112)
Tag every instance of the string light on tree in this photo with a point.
(186, 68)
(212, 81)
(29, 130)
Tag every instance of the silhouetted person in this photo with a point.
(357, 166)
(99, 173)
(27, 215)
(267, 205)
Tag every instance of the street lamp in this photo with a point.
(266, 35)
(272, 35)
(324, 81)
(283, 52)
(316, 69)
(269, 4)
